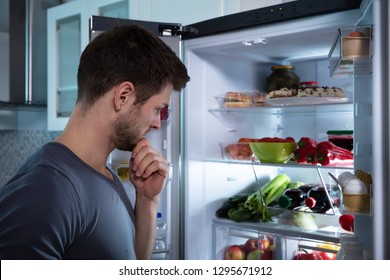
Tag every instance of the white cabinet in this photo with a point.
(68, 35)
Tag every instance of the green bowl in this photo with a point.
(273, 152)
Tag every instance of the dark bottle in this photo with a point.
(292, 198)
(317, 200)
(282, 76)
(306, 188)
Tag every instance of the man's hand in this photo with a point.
(148, 170)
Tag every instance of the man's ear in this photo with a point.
(123, 94)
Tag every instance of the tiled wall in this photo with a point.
(16, 146)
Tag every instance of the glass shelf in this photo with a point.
(290, 164)
(289, 110)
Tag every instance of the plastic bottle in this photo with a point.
(292, 198)
(345, 237)
(353, 250)
(161, 233)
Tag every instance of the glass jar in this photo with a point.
(308, 84)
(282, 76)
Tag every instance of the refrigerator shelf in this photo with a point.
(325, 233)
(290, 164)
(346, 107)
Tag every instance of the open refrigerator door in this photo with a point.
(240, 61)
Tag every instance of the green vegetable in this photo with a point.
(258, 201)
(232, 202)
(255, 204)
(240, 214)
(274, 188)
(295, 185)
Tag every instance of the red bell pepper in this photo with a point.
(300, 155)
(338, 152)
(311, 155)
(307, 142)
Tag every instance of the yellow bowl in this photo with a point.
(273, 152)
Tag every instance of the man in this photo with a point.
(64, 203)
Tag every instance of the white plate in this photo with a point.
(305, 100)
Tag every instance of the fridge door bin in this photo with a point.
(351, 51)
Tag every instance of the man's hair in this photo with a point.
(128, 53)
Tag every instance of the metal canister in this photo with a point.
(282, 76)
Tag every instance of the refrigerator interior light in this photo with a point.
(255, 42)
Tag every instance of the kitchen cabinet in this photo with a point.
(68, 35)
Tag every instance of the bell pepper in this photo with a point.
(300, 155)
(323, 156)
(311, 155)
(307, 142)
(336, 151)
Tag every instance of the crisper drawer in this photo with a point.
(307, 249)
(233, 243)
(250, 241)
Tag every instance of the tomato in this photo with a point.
(266, 139)
(347, 222)
(289, 139)
(246, 140)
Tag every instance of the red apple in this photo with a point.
(268, 255)
(307, 256)
(234, 252)
(164, 114)
(263, 244)
(251, 245)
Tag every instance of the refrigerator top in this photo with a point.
(271, 14)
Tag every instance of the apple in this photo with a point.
(164, 114)
(255, 255)
(307, 256)
(234, 252)
(268, 255)
(251, 245)
(263, 244)
(347, 222)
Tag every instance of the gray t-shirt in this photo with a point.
(58, 207)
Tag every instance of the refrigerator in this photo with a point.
(236, 53)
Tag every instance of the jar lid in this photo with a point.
(309, 83)
(339, 132)
(282, 67)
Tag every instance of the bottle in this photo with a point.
(345, 237)
(161, 233)
(292, 198)
(353, 250)
(317, 200)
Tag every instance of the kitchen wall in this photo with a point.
(16, 146)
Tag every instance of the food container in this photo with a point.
(273, 152)
(357, 203)
(353, 46)
(282, 76)
(341, 138)
(235, 99)
(355, 42)
(236, 151)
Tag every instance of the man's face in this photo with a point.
(133, 124)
